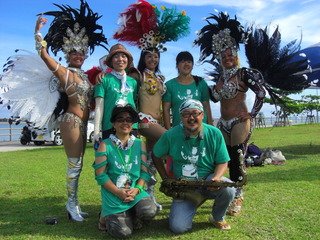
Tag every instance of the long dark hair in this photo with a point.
(187, 56)
(142, 63)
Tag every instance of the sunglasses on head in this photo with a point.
(122, 120)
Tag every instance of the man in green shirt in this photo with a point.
(198, 151)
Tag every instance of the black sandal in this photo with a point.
(101, 224)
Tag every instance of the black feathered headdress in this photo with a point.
(74, 30)
(276, 64)
(217, 37)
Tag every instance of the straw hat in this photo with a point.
(118, 48)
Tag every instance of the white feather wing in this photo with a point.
(31, 89)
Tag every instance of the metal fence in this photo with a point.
(273, 121)
(13, 130)
(10, 130)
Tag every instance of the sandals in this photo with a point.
(235, 207)
(220, 225)
(102, 223)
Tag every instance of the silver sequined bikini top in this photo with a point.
(83, 90)
(229, 89)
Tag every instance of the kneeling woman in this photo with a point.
(121, 170)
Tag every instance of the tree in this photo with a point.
(312, 103)
(287, 106)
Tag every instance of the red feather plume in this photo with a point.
(139, 18)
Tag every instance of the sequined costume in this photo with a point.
(150, 95)
(76, 33)
(229, 90)
(152, 89)
(83, 90)
(275, 66)
(252, 78)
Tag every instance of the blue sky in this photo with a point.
(17, 20)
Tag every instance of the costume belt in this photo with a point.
(146, 118)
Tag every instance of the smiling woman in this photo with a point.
(31, 74)
(116, 87)
(121, 170)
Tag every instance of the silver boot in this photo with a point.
(152, 182)
(73, 174)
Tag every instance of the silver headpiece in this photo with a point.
(77, 41)
(222, 41)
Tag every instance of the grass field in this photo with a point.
(281, 202)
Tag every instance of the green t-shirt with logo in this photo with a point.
(109, 90)
(193, 158)
(177, 93)
(124, 171)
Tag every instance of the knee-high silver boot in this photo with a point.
(152, 182)
(73, 174)
(83, 214)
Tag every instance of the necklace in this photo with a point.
(228, 73)
(119, 144)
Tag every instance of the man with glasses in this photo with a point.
(198, 152)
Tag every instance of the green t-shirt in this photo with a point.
(109, 90)
(177, 93)
(194, 158)
(121, 174)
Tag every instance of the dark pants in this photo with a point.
(121, 225)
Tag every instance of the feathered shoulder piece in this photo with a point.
(276, 64)
(26, 80)
(144, 25)
(74, 30)
(220, 35)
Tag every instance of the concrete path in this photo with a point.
(16, 145)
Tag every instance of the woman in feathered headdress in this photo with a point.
(221, 40)
(74, 32)
(271, 68)
(149, 28)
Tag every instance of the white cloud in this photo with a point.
(291, 15)
(258, 4)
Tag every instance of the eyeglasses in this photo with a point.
(193, 114)
(122, 120)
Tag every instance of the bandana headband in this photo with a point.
(189, 104)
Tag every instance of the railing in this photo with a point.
(259, 122)
(10, 130)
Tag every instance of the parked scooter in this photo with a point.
(25, 137)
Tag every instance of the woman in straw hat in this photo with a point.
(115, 87)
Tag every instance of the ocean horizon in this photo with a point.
(16, 129)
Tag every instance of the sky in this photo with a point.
(18, 17)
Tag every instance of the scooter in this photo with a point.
(25, 137)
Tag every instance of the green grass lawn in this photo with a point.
(281, 202)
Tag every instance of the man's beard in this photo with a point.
(192, 129)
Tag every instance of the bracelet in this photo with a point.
(40, 45)
(141, 189)
(37, 34)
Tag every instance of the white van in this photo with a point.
(41, 136)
